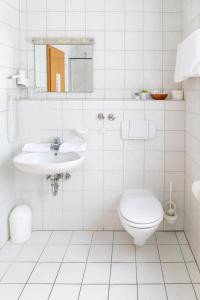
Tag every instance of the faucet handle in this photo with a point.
(57, 140)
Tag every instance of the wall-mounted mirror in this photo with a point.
(64, 65)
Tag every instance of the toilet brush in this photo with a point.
(170, 208)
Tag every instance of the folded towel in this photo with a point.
(72, 147)
(34, 147)
(188, 58)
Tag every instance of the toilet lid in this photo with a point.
(140, 207)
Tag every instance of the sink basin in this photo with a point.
(47, 163)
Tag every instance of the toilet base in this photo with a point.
(140, 235)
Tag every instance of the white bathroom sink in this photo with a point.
(47, 163)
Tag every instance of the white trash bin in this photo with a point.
(20, 224)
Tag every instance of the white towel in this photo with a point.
(72, 147)
(34, 147)
(188, 58)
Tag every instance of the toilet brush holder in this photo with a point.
(170, 213)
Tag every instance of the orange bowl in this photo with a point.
(159, 96)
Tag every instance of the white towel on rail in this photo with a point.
(188, 58)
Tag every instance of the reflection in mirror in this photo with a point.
(56, 69)
(64, 68)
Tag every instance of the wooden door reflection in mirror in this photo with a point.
(55, 69)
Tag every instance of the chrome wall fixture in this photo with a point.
(101, 116)
(56, 145)
(111, 117)
(55, 178)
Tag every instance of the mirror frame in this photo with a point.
(63, 41)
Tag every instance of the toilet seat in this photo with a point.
(140, 209)
(140, 225)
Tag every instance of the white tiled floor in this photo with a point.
(84, 265)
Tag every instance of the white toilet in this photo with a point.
(140, 213)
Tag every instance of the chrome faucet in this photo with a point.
(56, 145)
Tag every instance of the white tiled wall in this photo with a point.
(135, 44)
(9, 61)
(135, 41)
(191, 22)
(89, 200)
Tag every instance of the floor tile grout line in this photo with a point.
(100, 262)
(188, 244)
(108, 261)
(103, 284)
(35, 264)
(161, 268)
(188, 270)
(111, 266)
(21, 248)
(136, 272)
(10, 262)
(67, 246)
(4, 274)
(45, 245)
(78, 244)
(81, 284)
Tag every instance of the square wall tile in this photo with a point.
(114, 21)
(133, 21)
(153, 5)
(52, 6)
(94, 5)
(152, 22)
(56, 21)
(114, 5)
(172, 22)
(75, 5)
